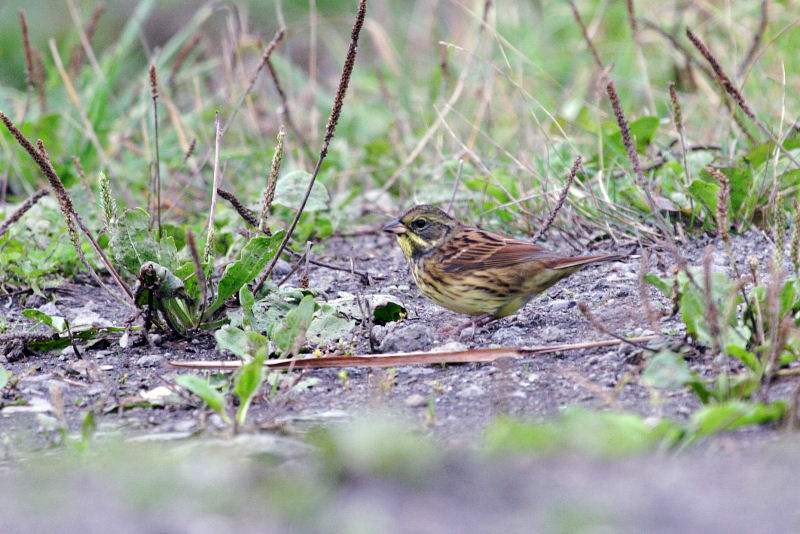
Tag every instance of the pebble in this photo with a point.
(471, 391)
(415, 401)
(409, 339)
(150, 360)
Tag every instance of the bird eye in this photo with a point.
(419, 224)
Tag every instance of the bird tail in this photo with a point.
(567, 263)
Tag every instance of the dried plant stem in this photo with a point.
(734, 93)
(198, 272)
(85, 37)
(633, 156)
(264, 58)
(586, 311)
(652, 317)
(329, 132)
(157, 162)
(20, 211)
(285, 111)
(210, 229)
(757, 36)
(576, 165)
(26, 45)
(677, 118)
(73, 95)
(181, 57)
(84, 180)
(40, 157)
(240, 208)
(648, 91)
(455, 185)
(586, 37)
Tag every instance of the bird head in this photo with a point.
(421, 228)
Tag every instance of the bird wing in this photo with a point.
(473, 248)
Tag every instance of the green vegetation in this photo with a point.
(681, 135)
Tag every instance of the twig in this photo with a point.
(20, 211)
(285, 111)
(264, 58)
(586, 37)
(576, 165)
(329, 131)
(40, 157)
(455, 185)
(757, 36)
(408, 358)
(737, 97)
(584, 308)
(633, 156)
(240, 208)
(85, 37)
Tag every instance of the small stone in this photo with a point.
(50, 309)
(150, 360)
(409, 339)
(415, 401)
(561, 305)
(471, 391)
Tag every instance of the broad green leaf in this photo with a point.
(329, 327)
(291, 188)
(295, 325)
(734, 414)
(706, 193)
(55, 322)
(204, 390)
(255, 256)
(666, 370)
(243, 343)
(133, 244)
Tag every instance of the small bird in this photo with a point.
(476, 272)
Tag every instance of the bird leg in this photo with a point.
(477, 322)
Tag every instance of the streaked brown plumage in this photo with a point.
(476, 272)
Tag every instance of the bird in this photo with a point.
(476, 272)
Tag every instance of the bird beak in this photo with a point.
(395, 227)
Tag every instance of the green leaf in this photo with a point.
(666, 370)
(391, 311)
(598, 433)
(254, 257)
(642, 130)
(734, 414)
(294, 326)
(749, 359)
(290, 190)
(4, 376)
(247, 300)
(204, 390)
(706, 193)
(329, 327)
(248, 381)
(133, 244)
(243, 343)
(88, 426)
(55, 322)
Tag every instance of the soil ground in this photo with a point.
(451, 403)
